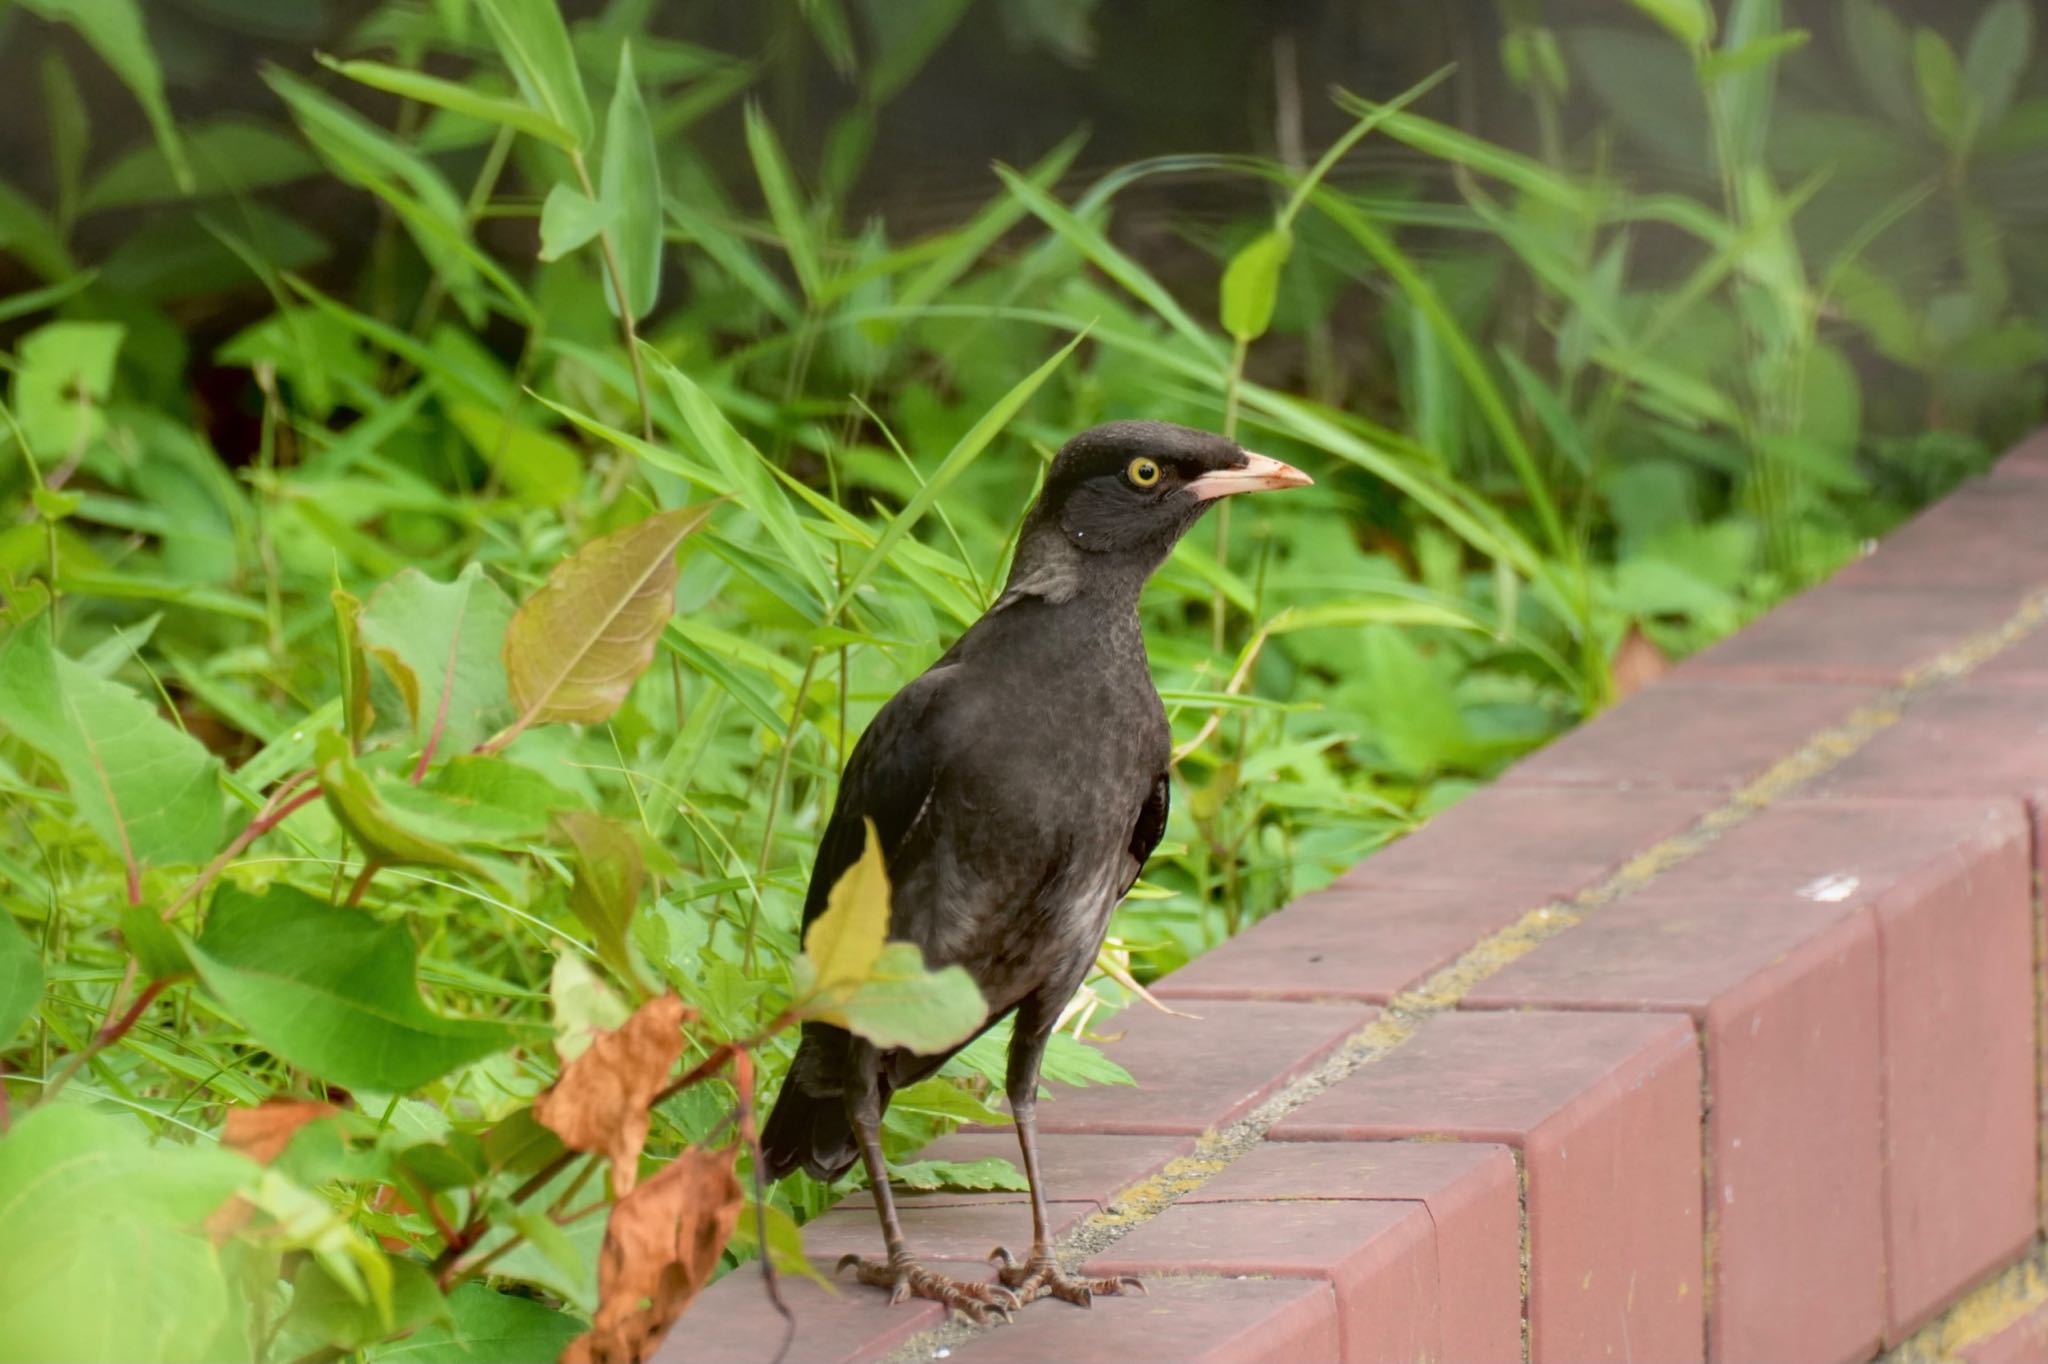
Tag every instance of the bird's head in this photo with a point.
(1119, 496)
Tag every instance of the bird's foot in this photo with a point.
(905, 1279)
(1041, 1277)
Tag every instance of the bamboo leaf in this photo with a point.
(534, 43)
(785, 203)
(631, 191)
(456, 98)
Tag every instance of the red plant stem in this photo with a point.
(363, 879)
(267, 819)
(109, 1034)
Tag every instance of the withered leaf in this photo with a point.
(1637, 663)
(261, 1133)
(601, 1101)
(660, 1248)
(576, 646)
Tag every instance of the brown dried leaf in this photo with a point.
(576, 646)
(601, 1101)
(1637, 663)
(261, 1133)
(660, 1248)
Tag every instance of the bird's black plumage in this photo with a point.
(1018, 785)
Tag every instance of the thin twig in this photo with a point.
(743, 1088)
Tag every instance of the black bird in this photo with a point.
(1016, 788)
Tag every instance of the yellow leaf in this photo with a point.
(844, 942)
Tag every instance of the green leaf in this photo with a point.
(332, 991)
(147, 788)
(64, 373)
(542, 468)
(785, 203)
(534, 43)
(991, 1172)
(115, 30)
(2001, 45)
(450, 637)
(1881, 55)
(903, 1003)
(1944, 99)
(584, 1006)
(1689, 21)
(1251, 284)
(1748, 56)
(388, 836)
(843, 943)
(631, 188)
(569, 218)
(576, 646)
(485, 1327)
(460, 99)
(21, 979)
(81, 1191)
(151, 942)
(606, 892)
(324, 1312)
(490, 800)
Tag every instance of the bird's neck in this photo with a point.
(1054, 569)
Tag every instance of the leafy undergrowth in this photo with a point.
(453, 538)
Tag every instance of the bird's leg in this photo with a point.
(901, 1274)
(1040, 1275)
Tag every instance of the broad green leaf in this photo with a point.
(843, 943)
(584, 1006)
(1689, 21)
(485, 1327)
(534, 42)
(389, 837)
(576, 646)
(325, 1312)
(1946, 102)
(81, 1191)
(151, 942)
(64, 373)
(569, 218)
(1881, 55)
(490, 800)
(450, 637)
(228, 155)
(147, 788)
(332, 991)
(630, 187)
(991, 1172)
(1251, 284)
(115, 30)
(541, 468)
(606, 892)
(21, 979)
(460, 99)
(793, 227)
(902, 1003)
(2001, 45)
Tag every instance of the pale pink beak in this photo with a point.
(1258, 474)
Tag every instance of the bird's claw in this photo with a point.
(905, 1279)
(1041, 1276)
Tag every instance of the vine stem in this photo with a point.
(269, 818)
(110, 1033)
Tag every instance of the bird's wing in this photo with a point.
(888, 780)
(1151, 825)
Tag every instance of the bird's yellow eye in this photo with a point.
(1142, 473)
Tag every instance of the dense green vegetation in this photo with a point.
(332, 435)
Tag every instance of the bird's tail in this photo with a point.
(809, 1128)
